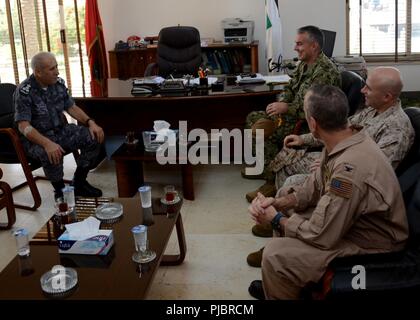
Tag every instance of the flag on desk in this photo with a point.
(95, 46)
(273, 30)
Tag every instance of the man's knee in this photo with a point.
(268, 125)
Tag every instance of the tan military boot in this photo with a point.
(263, 230)
(268, 190)
(254, 259)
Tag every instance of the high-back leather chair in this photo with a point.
(178, 52)
(11, 149)
(352, 84)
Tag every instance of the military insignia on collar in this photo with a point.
(348, 167)
(25, 89)
(341, 187)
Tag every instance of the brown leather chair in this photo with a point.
(11, 149)
(6, 201)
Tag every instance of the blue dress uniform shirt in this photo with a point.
(43, 108)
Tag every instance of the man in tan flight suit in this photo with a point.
(351, 205)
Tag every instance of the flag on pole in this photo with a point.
(273, 30)
(95, 46)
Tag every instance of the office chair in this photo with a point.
(352, 84)
(178, 53)
(11, 149)
(387, 274)
(6, 201)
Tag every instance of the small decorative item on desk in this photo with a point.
(143, 253)
(59, 281)
(170, 199)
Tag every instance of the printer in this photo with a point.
(236, 30)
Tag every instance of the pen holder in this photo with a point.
(204, 82)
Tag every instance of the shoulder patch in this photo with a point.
(25, 89)
(341, 187)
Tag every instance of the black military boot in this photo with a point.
(256, 290)
(82, 188)
(58, 189)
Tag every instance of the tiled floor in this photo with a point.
(217, 227)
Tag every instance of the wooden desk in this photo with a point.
(121, 112)
(114, 276)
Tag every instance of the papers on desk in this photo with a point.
(280, 78)
(196, 81)
(255, 78)
(154, 80)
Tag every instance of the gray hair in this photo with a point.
(314, 34)
(38, 59)
(329, 106)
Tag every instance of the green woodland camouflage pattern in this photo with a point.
(323, 71)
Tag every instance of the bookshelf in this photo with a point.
(219, 57)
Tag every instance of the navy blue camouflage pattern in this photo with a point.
(44, 108)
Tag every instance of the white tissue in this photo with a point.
(161, 127)
(84, 229)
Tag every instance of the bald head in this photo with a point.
(388, 80)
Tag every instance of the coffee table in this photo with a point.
(114, 276)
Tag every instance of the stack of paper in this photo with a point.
(251, 79)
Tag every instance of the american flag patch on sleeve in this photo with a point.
(341, 187)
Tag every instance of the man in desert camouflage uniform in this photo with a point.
(281, 118)
(351, 205)
(384, 121)
(40, 102)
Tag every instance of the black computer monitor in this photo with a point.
(329, 41)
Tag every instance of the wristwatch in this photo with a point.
(275, 223)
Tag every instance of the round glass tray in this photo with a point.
(139, 259)
(59, 281)
(109, 211)
(176, 200)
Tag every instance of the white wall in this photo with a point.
(146, 17)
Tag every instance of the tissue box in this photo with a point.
(96, 245)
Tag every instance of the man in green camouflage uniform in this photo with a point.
(281, 118)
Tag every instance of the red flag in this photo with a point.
(95, 46)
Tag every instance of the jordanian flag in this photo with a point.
(274, 46)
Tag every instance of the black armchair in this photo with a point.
(11, 149)
(387, 274)
(178, 52)
(352, 84)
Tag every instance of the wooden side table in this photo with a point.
(129, 168)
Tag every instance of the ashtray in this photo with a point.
(109, 212)
(166, 202)
(58, 281)
(137, 257)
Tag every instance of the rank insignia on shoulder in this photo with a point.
(341, 187)
(25, 89)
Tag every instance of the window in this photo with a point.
(384, 29)
(30, 26)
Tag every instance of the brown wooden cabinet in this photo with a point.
(228, 58)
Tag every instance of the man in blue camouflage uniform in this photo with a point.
(40, 102)
(280, 118)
